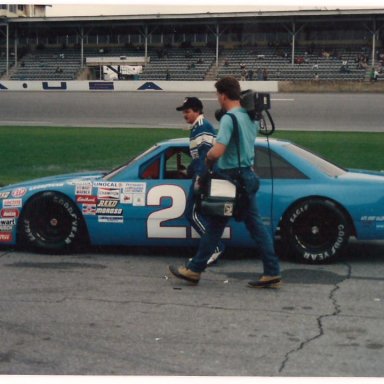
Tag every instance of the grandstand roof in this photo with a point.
(260, 16)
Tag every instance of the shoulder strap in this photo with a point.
(236, 135)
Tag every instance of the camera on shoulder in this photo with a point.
(253, 102)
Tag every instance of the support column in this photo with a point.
(7, 49)
(82, 47)
(15, 46)
(217, 43)
(146, 44)
(374, 30)
(293, 42)
(216, 33)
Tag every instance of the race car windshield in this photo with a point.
(121, 168)
(323, 165)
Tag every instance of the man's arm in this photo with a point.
(214, 154)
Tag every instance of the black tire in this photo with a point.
(50, 222)
(315, 231)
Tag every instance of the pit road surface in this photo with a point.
(121, 313)
(329, 112)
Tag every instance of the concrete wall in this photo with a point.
(130, 86)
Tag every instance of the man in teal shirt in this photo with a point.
(224, 154)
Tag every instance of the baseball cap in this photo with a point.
(191, 102)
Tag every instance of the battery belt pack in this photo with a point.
(225, 195)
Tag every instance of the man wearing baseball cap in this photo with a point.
(201, 139)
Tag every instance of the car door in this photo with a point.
(167, 192)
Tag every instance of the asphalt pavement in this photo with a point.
(293, 111)
(119, 312)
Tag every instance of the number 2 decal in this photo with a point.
(176, 210)
(155, 228)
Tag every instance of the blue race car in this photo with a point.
(312, 204)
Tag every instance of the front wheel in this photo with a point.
(50, 222)
(315, 230)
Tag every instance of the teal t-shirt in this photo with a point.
(247, 133)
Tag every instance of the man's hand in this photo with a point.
(209, 163)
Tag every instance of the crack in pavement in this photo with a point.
(319, 321)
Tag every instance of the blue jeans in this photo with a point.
(197, 220)
(215, 228)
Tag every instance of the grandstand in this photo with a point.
(50, 64)
(279, 67)
(179, 64)
(59, 64)
(267, 46)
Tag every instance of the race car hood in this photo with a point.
(57, 179)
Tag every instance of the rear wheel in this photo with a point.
(50, 222)
(315, 230)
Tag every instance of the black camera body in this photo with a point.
(253, 102)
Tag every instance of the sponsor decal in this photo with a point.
(148, 86)
(101, 86)
(81, 181)
(47, 87)
(108, 184)
(108, 193)
(46, 186)
(134, 188)
(7, 224)
(108, 203)
(126, 198)
(12, 203)
(84, 188)
(372, 218)
(89, 209)
(4, 195)
(138, 200)
(133, 193)
(10, 212)
(5, 237)
(19, 192)
(109, 211)
(111, 219)
(86, 199)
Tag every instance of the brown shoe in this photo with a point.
(266, 282)
(185, 274)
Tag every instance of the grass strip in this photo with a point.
(31, 152)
